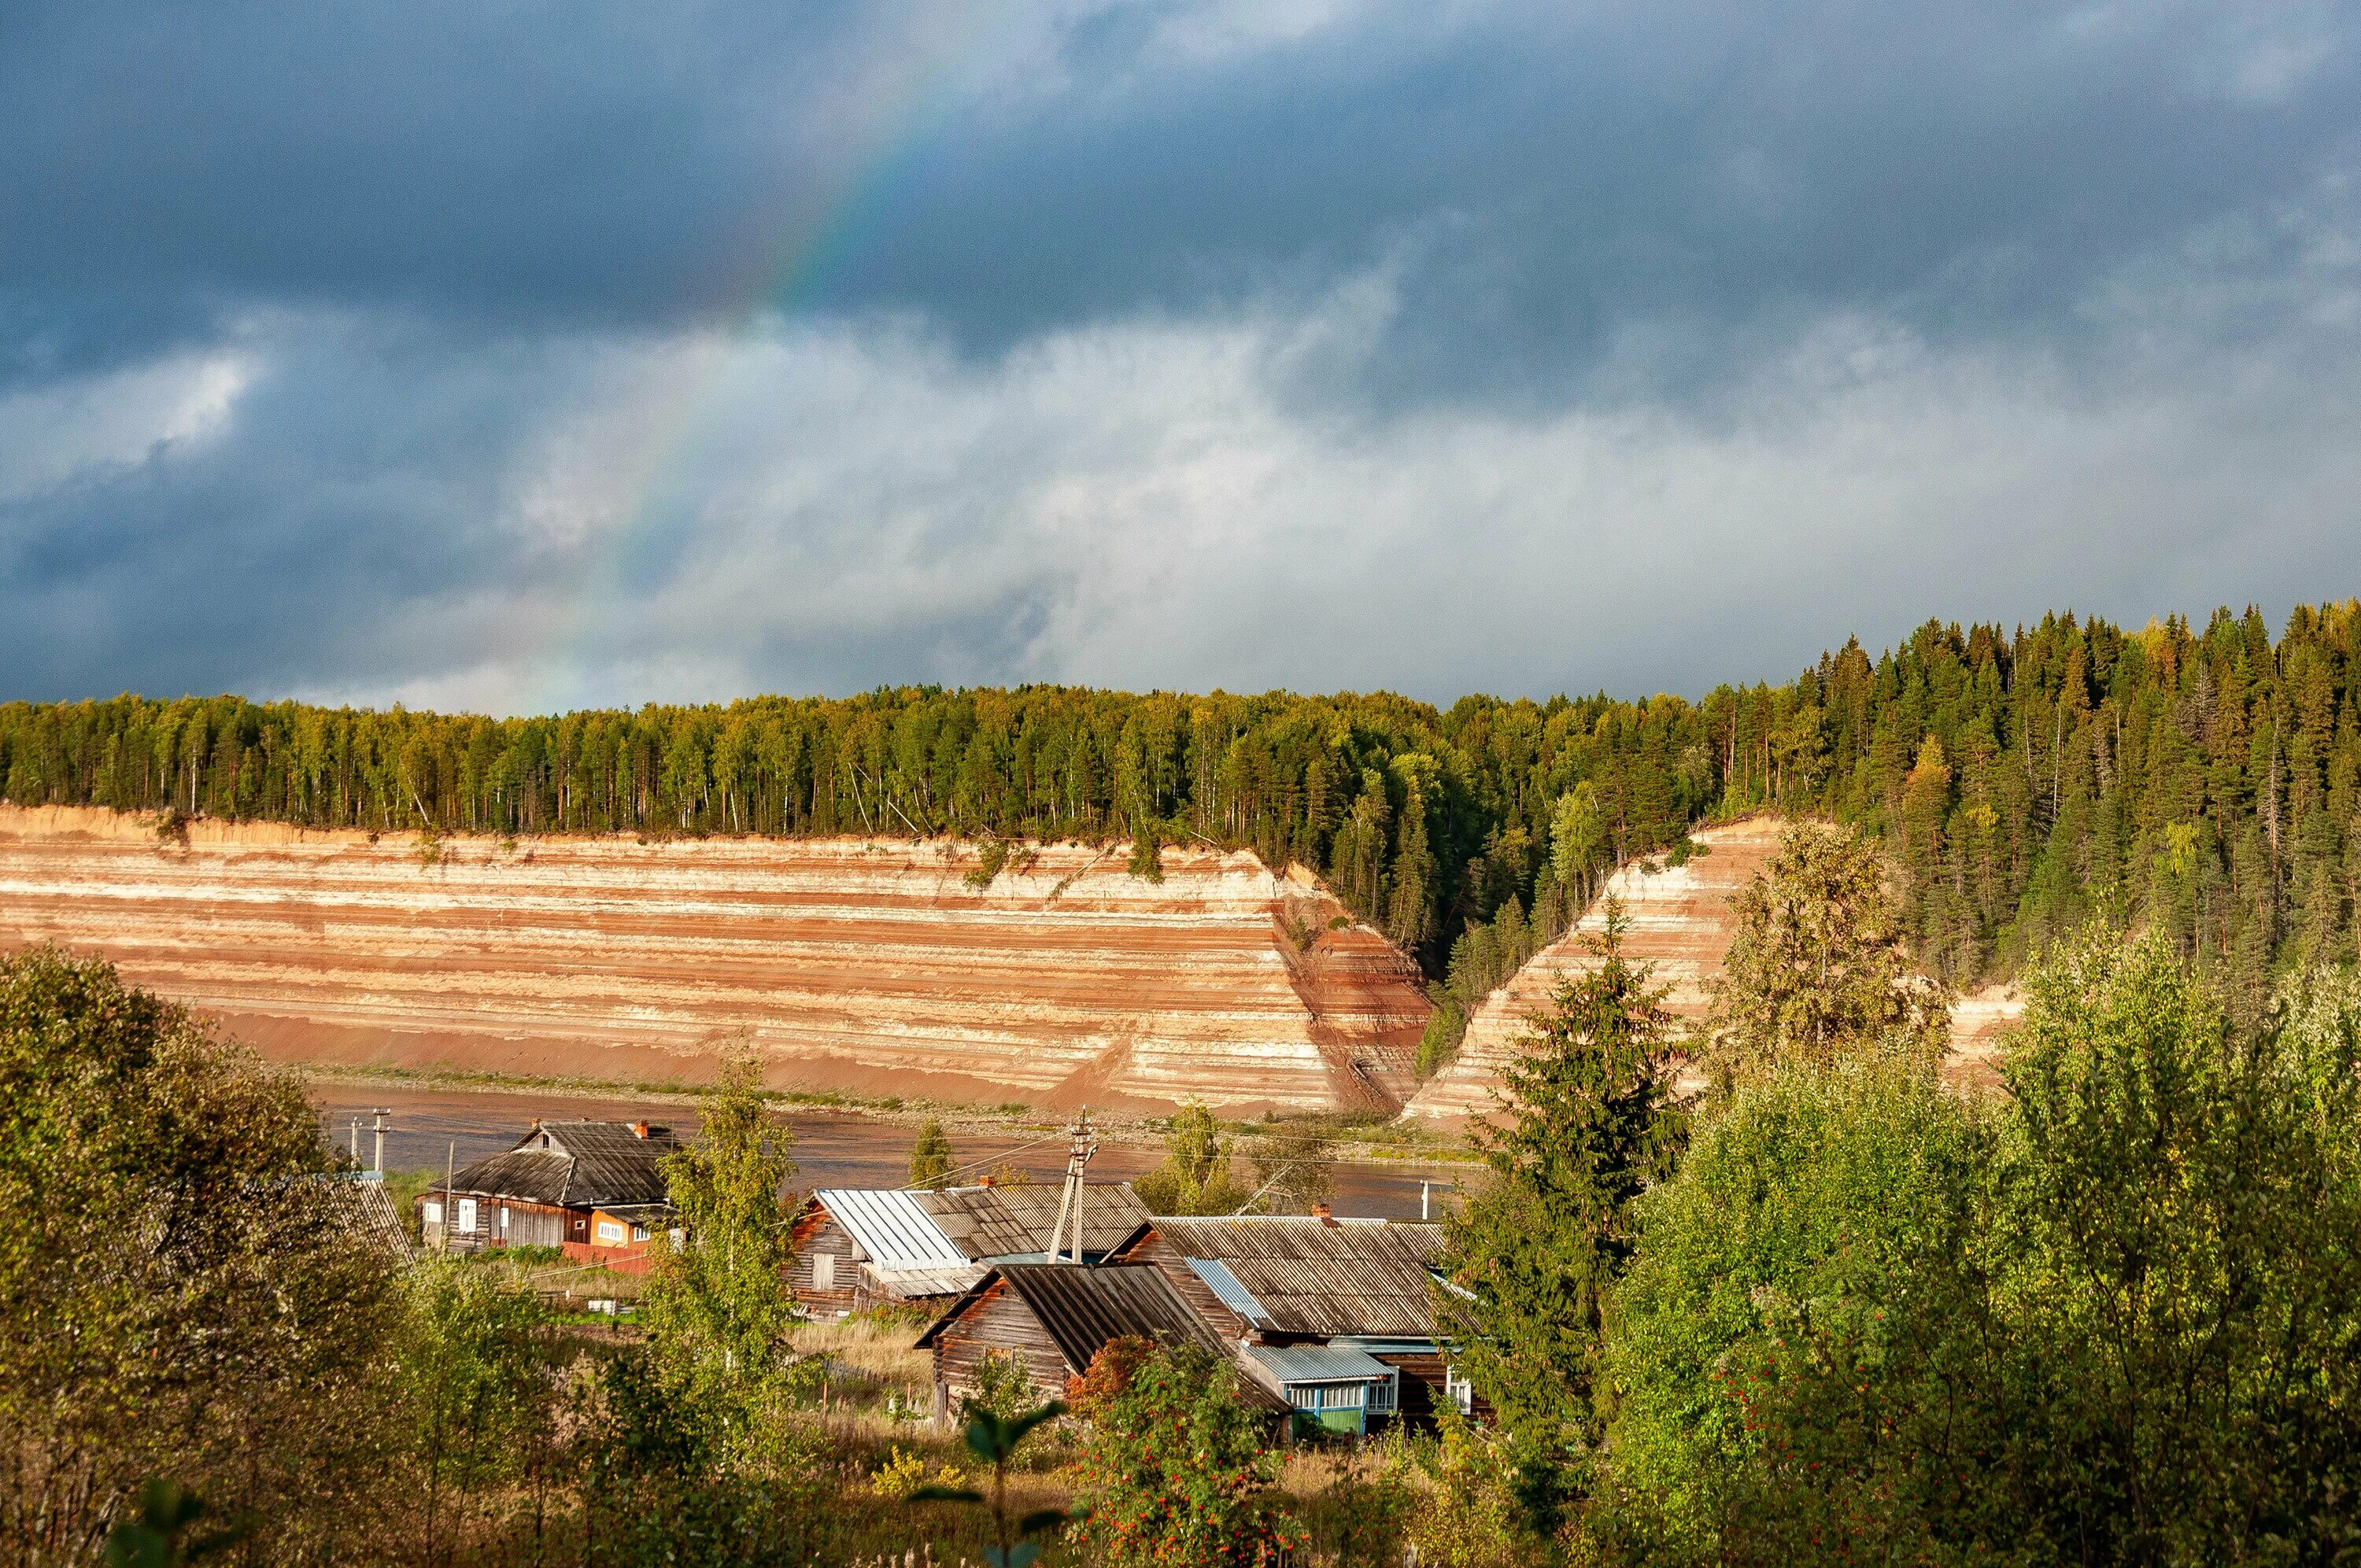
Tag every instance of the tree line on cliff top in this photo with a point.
(2200, 780)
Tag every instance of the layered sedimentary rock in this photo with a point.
(873, 965)
(1981, 1021)
(1679, 921)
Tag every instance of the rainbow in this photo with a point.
(800, 247)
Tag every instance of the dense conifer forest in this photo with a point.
(2201, 781)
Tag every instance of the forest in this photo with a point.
(2201, 781)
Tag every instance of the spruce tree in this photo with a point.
(1585, 1127)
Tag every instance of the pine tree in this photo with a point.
(1585, 1127)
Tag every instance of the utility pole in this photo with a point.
(1078, 1155)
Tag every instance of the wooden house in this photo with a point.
(860, 1248)
(594, 1189)
(1053, 1319)
(1337, 1316)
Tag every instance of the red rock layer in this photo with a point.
(863, 964)
(1680, 922)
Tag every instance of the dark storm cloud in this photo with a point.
(522, 354)
(1569, 167)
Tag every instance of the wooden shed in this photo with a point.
(1054, 1318)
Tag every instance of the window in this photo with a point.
(609, 1231)
(466, 1213)
(1330, 1396)
(824, 1271)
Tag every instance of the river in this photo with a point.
(429, 1126)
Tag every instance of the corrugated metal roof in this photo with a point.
(1319, 1364)
(1311, 1277)
(1011, 1221)
(1231, 1294)
(892, 1228)
(1084, 1308)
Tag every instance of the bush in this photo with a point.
(1175, 1468)
(1002, 1386)
(1794, 1221)
(1468, 1516)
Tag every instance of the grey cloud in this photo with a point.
(441, 353)
(1699, 165)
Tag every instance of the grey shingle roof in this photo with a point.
(1311, 1277)
(1083, 1309)
(575, 1164)
(1015, 1221)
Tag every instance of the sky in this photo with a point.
(518, 357)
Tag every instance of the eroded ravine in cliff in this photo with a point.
(1680, 922)
(866, 964)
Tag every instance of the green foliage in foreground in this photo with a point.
(995, 1439)
(178, 1294)
(2114, 1320)
(1178, 1470)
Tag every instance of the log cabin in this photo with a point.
(1336, 1316)
(863, 1248)
(1052, 1319)
(594, 1189)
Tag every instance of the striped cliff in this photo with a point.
(870, 965)
(1679, 921)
